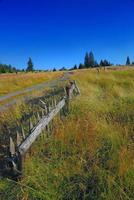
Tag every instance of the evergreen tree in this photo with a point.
(54, 69)
(63, 69)
(7, 68)
(86, 60)
(128, 61)
(104, 63)
(81, 66)
(101, 63)
(91, 60)
(29, 65)
(75, 67)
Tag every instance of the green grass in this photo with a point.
(90, 153)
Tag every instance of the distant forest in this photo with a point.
(7, 69)
(89, 62)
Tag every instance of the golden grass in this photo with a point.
(89, 156)
(13, 82)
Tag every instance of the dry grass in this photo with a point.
(13, 82)
(90, 154)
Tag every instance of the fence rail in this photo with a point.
(23, 148)
(13, 164)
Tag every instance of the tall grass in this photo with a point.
(90, 154)
(13, 82)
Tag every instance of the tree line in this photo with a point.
(7, 69)
(4, 68)
(128, 62)
(89, 62)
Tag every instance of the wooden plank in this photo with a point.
(19, 139)
(30, 124)
(43, 104)
(23, 133)
(38, 116)
(12, 147)
(71, 91)
(77, 88)
(23, 148)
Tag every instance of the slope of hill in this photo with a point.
(14, 82)
(90, 153)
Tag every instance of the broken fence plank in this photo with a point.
(23, 148)
(12, 147)
(43, 104)
(77, 88)
(19, 139)
(30, 124)
(23, 133)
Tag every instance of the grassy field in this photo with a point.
(13, 82)
(89, 156)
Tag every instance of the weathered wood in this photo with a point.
(71, 91)
(23, 148)
(30, 124)
(35, 119)
(42, 113)
(48, 128)
(19, 139)
(12, 147)
(77, 88)
(38, 116)
(65, 91)
(43, 104)
(23, 133)
(49, 111)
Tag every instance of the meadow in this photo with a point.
(13, 82)
(89, 156)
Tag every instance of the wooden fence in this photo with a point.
(13, 163)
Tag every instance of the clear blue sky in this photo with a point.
(57, 33)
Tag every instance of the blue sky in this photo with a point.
(57, 33)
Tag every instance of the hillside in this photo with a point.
(14, 82)
(89, 155)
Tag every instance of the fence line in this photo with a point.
(23, 148)
(13, 164)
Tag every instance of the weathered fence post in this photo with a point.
(43, 119)
(68, 97)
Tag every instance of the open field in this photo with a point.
(89, 156)
(17, 87)
(14, 82)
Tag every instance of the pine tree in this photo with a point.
(30, 66)
(105, 63)
(54, 69)
(75, 67)
(86, 61)
(7, 68)
(128, 61)
(81, 66)
(101, 63)
(91, 60)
